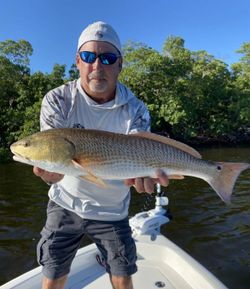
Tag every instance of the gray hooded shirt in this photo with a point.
(69, 106)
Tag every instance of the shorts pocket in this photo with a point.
(43, 247)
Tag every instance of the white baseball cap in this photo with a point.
(99, 31)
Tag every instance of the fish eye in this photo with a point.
(26, 144)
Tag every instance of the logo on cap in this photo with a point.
(99, 34)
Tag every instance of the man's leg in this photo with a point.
(58, 245)
(121, 282)
(115, 242)
(54, 284)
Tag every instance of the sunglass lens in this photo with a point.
(108, 58)
(88, 56)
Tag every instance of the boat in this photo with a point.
(161, 263)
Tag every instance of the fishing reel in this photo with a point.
(150, 222)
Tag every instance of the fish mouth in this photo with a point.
(21, 159)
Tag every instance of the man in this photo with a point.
(77, 207)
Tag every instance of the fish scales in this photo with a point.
(132, 154)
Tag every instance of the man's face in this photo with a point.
(97, 79)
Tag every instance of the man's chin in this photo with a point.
(98, 87)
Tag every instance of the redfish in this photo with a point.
(99, 155)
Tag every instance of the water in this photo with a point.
(216, 235)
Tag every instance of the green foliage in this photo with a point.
(38, 85)
(4, 155)
(73, 72)
(10, 80)
(17, 52)
(21, 93)
(241, 85)
(31, 123)
(189, 94)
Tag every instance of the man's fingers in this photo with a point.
(142, 184)
(149, 185)
(139, 185)
(129, 182)
(38, 172)
(162, 178)
(46, 176)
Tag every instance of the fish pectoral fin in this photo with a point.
(176, 177)
(78, 165)
(93, 179)
(87, 175)
(169, 141)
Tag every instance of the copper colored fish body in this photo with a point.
(99, 155)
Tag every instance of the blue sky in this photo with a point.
(53, 26)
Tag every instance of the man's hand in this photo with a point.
(47, 177)
(147, 184)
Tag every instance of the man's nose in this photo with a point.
(97, 63)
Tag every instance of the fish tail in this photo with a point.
(224, 182)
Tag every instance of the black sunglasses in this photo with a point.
(105, 58)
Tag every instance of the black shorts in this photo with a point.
(62, 235)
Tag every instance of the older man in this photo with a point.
(77, 207)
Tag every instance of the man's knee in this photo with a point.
(121, 282)
(54, 283)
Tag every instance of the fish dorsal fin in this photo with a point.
(169, 141)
